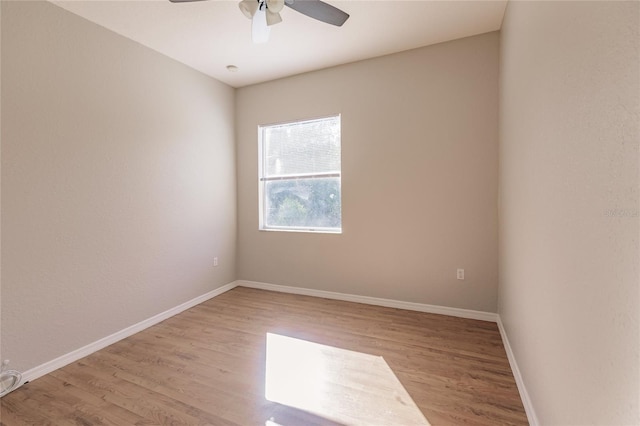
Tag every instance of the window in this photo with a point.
(300, 176)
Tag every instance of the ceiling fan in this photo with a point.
(265, 13)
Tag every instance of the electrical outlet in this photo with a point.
(460, 274)
(215, 261)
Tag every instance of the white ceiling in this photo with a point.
(209, 35)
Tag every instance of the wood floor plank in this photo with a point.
(207, 366)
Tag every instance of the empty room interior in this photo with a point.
(426, 213)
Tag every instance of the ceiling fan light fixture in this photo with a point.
(275, 6)
(248, 7)
(259, 28)
(273, 18)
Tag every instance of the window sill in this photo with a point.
(302, 230)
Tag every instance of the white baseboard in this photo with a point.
(73, 356)
(524, 395)
(77, 354)
(433, 309)
(421, 307)
(66, 359)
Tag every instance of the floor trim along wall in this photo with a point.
(433, 309)
(524, 395)
(421, 307)
(60, 362)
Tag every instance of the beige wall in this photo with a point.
(419, 164)
(118, 183)
(570, 105)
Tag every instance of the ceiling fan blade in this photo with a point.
(319, 10)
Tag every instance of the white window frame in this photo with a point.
(262, 226)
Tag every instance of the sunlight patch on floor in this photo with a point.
(351, 388)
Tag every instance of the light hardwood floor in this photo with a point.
(207, 366)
